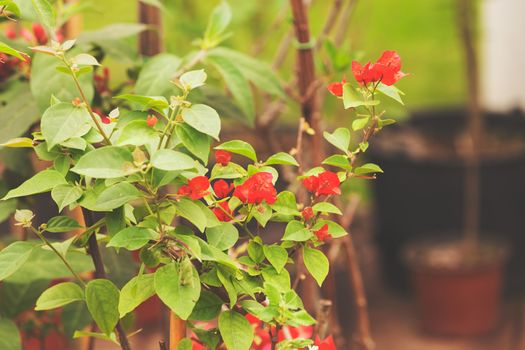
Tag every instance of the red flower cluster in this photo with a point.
(151, 120)
(222, 157)
(326, 183)
(387, 70)
(337, 88)
(222, 189)
(224, 213)
(323, 233)
(38, 34)
(256, 189)
(307, 213)
(196, 188)
(262, 340)
(327, 344)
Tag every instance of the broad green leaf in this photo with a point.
(13, 257)
(170, 160)
(340, 138)
(157, 103)
(185, 344)
(11, 6)
(316, 263)
(132, 238)
(111, 337)
(360, 123)
(193, 79)
(325, 207)
(137, 133)
(239, 147)
(230, 171)
(7, 208)
(63, 121)
(217, 24)
(207, 308)
(236, 83)
(338, 160)
(281, 158)
(15, 298)
(116, 196)
(236, 331)
(223, 236)
(191, 212)
(18, 112)
(46, 13)
(4, 48)
(102, 299)
(135, 292)
(285, 204)
(9, 335)
(258, 72)
(84, 59)
(276, 255)
(295, 231)
(75, 316)
(334, 228)
(368, 168)
(196, 142)
(351, 100)
(59, 295)
(64, 195)
(62, 224)
(179, 288)
(18, 142)
(106, 163)
(155, 76)
(203, 118)
(42, 182)
(391, 91)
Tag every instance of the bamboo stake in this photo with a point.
(177, 330)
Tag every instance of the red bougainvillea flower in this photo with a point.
(102, 81)
(256, 189)
(105, 119)
(151, 120)
(223, 213)
(323, 233)
(222, 189)
(387, 69)
(196, 188)
(326, 183)
(327, 344)
(222, 157)
(307, 213)
(262, 340)
(337, 88)
(40, 33)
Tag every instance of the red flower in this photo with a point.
(225, 214)
(222, 157)
(337, 88)
(196, 188)
(256, 189)
(105, 119)
(102, 81)
(323, 233)
(326, 183)
(327, 344)
(387, 69)
(307, 213)
(151, 120)
(222, 189)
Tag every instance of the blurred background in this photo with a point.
(439, 237)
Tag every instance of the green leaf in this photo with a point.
(223, 236)
(295, 231)
(236, 331)
(334, 228)
(155, 75)
(59, 295)
(18, 111)
(62, 224)
(239, 147)
(4, 48)
(42, 182)
(13, 257)
(178, 288)
(108, 162)
(285, 204)
(135, 292)
(338, 160)
(137, 133)
(18, 142)
(230, 171)
(236, 83)
(84, 59)
(132, 238)
(368, 168)
(196, 142)
(191, 212)
(185, 344)
(391, 91)
(46, 13)
(157, 103)
(276, 255)
(316, 263)
(9, 335)
(217, 24)
(351, 100)
(170, 160)
(75, 316)
(11, 6)
(193, 79)
(108, 337)
(340, 138)
(360, 123)
(102, 299)
(207, 308)
(281, 158)
(325, 207)
(116, 196)
(203, 118)
(256, 71)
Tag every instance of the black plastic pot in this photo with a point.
(422, 192)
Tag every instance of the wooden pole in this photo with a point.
(150, 40)
(177, 330)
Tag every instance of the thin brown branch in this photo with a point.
(330, 22)
(344, 22)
